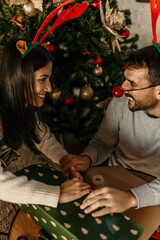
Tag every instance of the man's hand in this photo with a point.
(72, 190)
(109, 200)
(71, 164)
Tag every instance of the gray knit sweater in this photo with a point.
(132, 140)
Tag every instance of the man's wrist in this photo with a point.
(88, 158)
(133, 199)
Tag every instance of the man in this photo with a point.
(129, 136)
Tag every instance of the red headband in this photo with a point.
(65, 15)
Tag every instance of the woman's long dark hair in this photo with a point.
(19, 120)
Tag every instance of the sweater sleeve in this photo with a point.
(148, 194)
(49, 145)
(23, 191)
(104, 141)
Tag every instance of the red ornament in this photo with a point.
(125, 33)
(85, 53)
(118, 92)
(123, 67)
(98, 60)
(95, 4)
(51, 48)
(69, 101)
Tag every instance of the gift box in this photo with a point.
(68, 221)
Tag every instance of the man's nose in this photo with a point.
(125, 85)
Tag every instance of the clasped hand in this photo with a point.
(71, 165)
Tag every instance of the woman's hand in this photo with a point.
(72, 190)
(109, 200)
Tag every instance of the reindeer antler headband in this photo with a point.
(65, 15)
(155, 11)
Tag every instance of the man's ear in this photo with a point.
(158, 92)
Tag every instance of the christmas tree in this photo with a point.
(87, 52)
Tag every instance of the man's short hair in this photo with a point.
(147, 57)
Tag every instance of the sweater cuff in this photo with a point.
(52, 198)
(144, 195)
(92, 155)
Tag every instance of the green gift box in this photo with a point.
(68, 221)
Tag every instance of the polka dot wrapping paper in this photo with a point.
(68, 221)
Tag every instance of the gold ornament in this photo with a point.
(57, 3)
(86, 92)
(97, 70)
(116, 20)
(55, 94)
(29, 9)
(109, 23)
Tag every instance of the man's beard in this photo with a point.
(147, 104)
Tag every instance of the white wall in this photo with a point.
(141, 21)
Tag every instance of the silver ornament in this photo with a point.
(29, 9)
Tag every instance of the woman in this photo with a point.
(24, 82)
